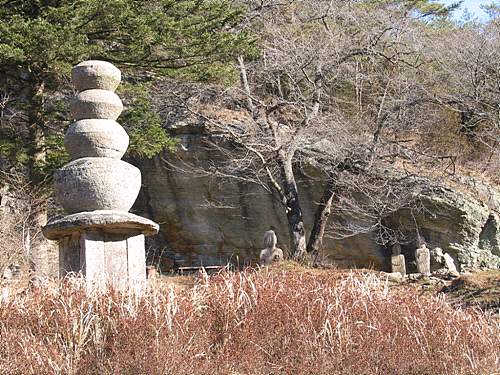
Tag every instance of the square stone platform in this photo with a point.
(107, 247)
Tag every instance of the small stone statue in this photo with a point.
(423, 259)
(271, 253)
(443, 264)
(450, 265)
(398, 260)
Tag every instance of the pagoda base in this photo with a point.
(107, 247)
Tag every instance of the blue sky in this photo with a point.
(473, 6)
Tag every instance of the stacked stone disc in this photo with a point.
(96, 179)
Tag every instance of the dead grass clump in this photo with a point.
(246, 323)
(480, 289)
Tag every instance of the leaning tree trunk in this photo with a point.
(245, 86)
(293, 210)
(315, 243)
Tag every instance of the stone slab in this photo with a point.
(110, 220)
(423, 260)
(105, 259)
(136, 258)
(69, 260)
(92, 258)
(115, 259)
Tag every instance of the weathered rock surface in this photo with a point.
(456, 222)
(90, 184)
(96, 138)
(96, 104)
(450, 264)
(204, 222)
(489, 238)
(95, 74)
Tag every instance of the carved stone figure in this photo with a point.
(442, 264)
(398, 260)
(271, 253)
(450, 264)
(423, 259)
(99, 238)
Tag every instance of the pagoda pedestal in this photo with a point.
(106, 247)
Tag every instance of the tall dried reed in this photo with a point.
(251, 322)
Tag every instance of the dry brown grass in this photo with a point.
(480, 290)
(250, 322)
(179, 283)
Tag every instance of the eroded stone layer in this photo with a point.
(96, 138)
(95, 74)
(90, 184)
(96, 104)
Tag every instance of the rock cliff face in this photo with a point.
(204, 223)
(459, 224)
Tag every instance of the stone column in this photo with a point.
(99, 237)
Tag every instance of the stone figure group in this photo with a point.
(423, 257)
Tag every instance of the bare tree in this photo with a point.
(362, 98)
(466, 81)
(336, 87)
(20, 234)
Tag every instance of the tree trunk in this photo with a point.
(293, 210)
(315, 244)
(245, 86)
(39, 245)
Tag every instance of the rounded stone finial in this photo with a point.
(90, 184)
(96, 104)
(96, 74)
(96, 138)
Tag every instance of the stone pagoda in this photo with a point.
(99, 237)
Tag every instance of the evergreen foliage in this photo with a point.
(41, 40)
(143, 124)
